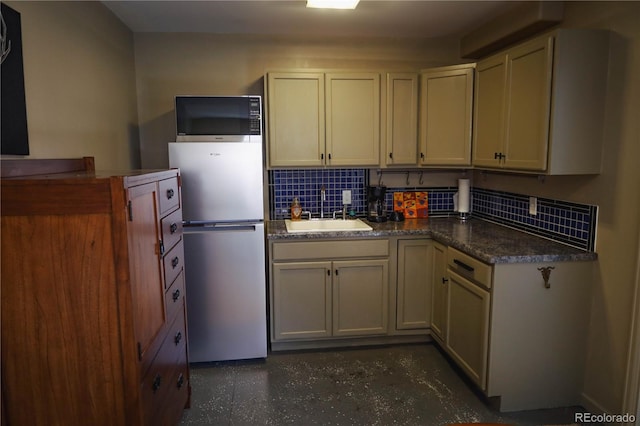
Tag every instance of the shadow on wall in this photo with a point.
(135, 162)
(155, 136)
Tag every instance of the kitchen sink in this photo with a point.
(326, 225)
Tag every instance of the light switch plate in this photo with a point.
(533, 206)
(346, 196)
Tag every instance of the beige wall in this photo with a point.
(617, 193)
(175, 64)
(79, 83)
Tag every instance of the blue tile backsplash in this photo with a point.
(569, 223)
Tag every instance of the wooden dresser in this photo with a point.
(93, 310)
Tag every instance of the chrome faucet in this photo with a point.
(322, 199)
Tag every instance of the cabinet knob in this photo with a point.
(177, 338)
(174, 262)
(173, 228)
(445, 280)
(180, 381)
(157, 381)
(176, 295)
(391, 155)
(170, 194)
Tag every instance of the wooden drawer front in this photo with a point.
(469, 267)
(171, 229)
(178, 392)
(301, 250)
(174, 299)
(173, 263)
(169, 195)
(158, 383)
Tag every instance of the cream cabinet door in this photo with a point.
(360, 297)
(302, 300)
(439, 294)
(468, 327)
(296, 123)
(489, 111)
(401, 119)
(352, 119)
(446, 104)
(528, 105)
(415, 278)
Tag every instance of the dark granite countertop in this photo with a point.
(487, 241)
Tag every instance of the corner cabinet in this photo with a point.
(539, 106)
(323, 119)
(446, 103)
(93, 312)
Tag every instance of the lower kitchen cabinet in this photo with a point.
(329, 288)
(439, 293)
(415, 280)
(520, 337)
(93, 312)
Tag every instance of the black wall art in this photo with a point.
(15, 139)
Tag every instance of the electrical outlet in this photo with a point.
(346, 196)
(533, 206)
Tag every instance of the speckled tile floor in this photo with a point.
(395, 385)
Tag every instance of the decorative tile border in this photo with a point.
(565, 222)
(569, 223)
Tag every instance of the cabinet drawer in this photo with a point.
(171, 229)
(173, 263)
(469, 267)
(169, 195)
(174, 299)
(301, 250)
(157, 384)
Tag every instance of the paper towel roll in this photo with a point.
(463, 195)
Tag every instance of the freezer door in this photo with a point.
(220, 181)
(226, 292)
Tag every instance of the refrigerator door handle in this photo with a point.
(219, 228)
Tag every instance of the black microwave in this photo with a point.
(219, 118)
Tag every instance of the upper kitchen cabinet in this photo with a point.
(539, 106)
(323, 119)
(446, 101)
(295, 110)
(401, 124)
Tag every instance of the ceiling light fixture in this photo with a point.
(333, 4)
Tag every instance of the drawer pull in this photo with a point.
(178, 338)
(180, 381)
(156, 383)
(174, 262)
(173, 228)
(170, 194)
(176, 295)
(463, 265)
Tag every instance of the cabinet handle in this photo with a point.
(422, 155)
(322, 156)
(157, 381)
(495, 156)
(329, 156)
(170, 194)
(176, 295)
(391, 155)
(161, 247)
(445, 280)
(174, 262)
(336, 272)
(463, 265)
(328, 272)
(180, 381)
(173, 228)
(177, 338)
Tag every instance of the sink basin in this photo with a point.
(326, 225)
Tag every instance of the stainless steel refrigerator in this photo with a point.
(224, 241)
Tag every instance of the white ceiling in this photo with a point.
(372, 18)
